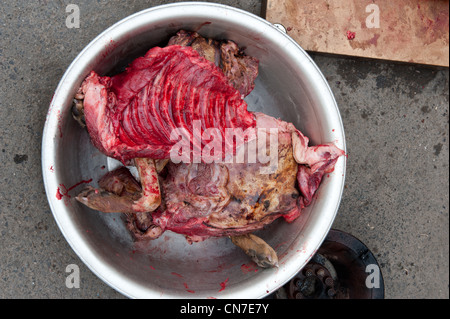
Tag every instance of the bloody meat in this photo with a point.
(131, 116)
(134, 113)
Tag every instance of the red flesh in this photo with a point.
(133, 113)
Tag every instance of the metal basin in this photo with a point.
(290, 86)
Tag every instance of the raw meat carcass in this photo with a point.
(241, 70)
(192, 87)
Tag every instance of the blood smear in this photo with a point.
(248, 268)
(187, 288)
(65, 190)
(223, 284)
(351, 35)
(59, 196)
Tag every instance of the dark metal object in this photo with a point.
(342, 268)
(316, 281)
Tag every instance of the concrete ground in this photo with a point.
(396, 198)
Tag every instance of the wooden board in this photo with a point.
(407, 30)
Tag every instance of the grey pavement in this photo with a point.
(396, 198)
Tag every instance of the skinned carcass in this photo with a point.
(208, 167)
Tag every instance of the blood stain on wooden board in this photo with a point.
(403, 30)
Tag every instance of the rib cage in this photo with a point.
(169, 88)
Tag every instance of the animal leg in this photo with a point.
(257, 249)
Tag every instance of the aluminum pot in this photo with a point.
(289, 86)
